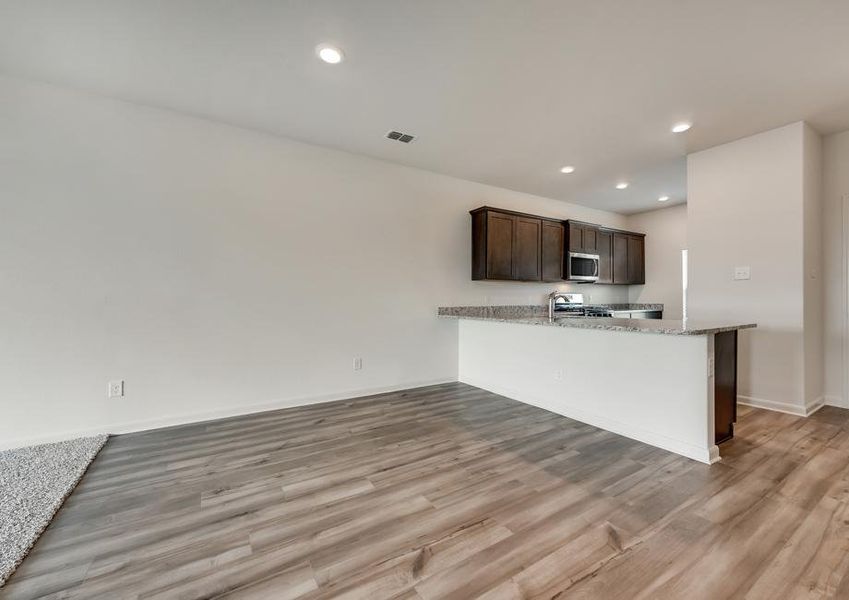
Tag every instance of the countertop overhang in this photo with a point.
(656, 326)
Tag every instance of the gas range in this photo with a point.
(561, 304)
(564, 305)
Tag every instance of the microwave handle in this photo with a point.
(597, 261)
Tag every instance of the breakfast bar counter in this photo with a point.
(668, 383)
(659, 326)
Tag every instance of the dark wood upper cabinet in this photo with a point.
(583, 237)
(620, 258)
(605, 256)
(552, 250)
(576, 237)
(590, 239)
(499, 244)
(636, 259)
(527, 249)
(513, 246)
(506, 246)
(629, 258)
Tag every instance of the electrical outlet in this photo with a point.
(358, 364)
(559, 374)
(116, 389)
(742, 273)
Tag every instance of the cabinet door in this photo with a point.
(590, 239)
(636, 260)
(499, 245)
(620, 258)
(576, 238)
(725, 385)
(527, 258)
(604, 241)
(552, 251)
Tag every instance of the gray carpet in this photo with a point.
(34, 481)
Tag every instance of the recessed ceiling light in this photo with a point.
(329, 54)
(681, 127)
(621, 185)
(663, 199)
(568, 169)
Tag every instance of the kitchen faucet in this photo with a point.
(552, 300)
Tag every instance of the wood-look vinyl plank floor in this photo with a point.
(449, 492)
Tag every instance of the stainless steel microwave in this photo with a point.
(582, 267)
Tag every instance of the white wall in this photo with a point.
(813, 266)
(218, 270)
(666, 237)
(835, 189)
(747, 207)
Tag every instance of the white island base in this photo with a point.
(654, 388)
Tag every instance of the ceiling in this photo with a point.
(503, 92)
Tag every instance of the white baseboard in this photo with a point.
(814, 406)
(835, 401)
(220, 413)
(783, 407)
(707, 455)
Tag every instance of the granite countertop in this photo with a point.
(657, 326)
(631, 307)
(530, 310)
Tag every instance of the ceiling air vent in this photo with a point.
(400, 136)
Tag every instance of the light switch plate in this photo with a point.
(116, 389)
(742, 273)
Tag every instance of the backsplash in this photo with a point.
(495, 293)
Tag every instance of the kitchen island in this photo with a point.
(668, 383)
